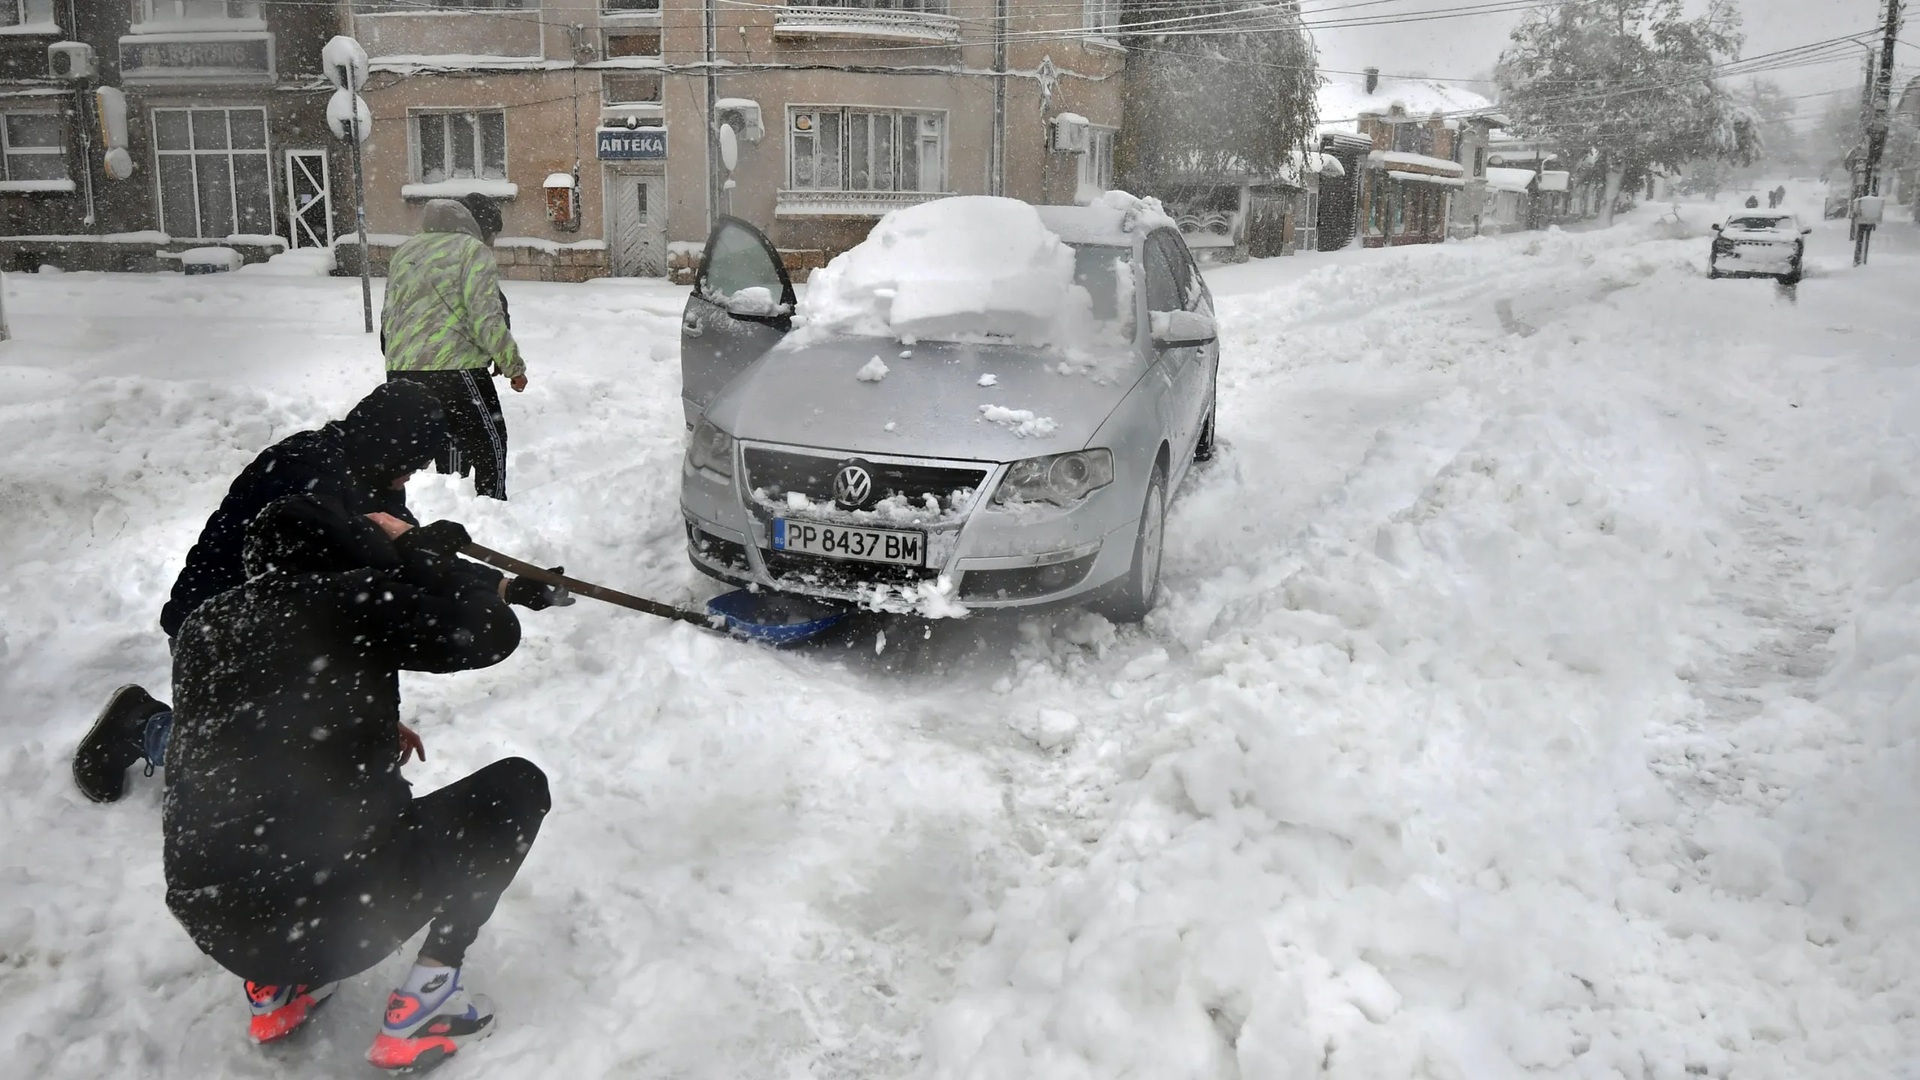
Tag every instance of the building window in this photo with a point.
(214, 174)
(629, 7)
(31, 150)
(1479, 161)
(26, 12)
(1096, 165)
(630, 88)
(177, 10)
(865, 150)
(1413, 138)
(459, 146)
(633, 43)
(1101, 17)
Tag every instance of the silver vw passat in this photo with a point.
(907, 471)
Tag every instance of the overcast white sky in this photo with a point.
(1466, 47)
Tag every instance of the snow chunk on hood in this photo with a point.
(873, 371)
(966, 268)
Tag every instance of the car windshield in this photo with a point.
(1106, 272)
(1757, 223)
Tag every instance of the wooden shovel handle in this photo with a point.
(587, 588)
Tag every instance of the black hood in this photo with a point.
(396, 429)
(306, 534)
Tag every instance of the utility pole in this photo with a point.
(997, 180)
(713, 134)
(1877, 127)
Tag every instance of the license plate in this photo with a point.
(839, 542)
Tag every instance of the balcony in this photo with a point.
(890, 23)
(849, 204)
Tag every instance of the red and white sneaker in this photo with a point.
(279, 1010)
(425, 1028)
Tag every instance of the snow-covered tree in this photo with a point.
(1627, 87)
(1213, 90)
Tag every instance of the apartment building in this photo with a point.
(211, 130)
(597, 123)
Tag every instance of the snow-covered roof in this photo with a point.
(1342, 101)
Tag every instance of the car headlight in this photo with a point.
(1063, 479)
(711, 449)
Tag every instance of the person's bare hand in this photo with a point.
(389, 524)
(519, 383)
(410, 744)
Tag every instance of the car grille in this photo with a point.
(777, 472)
(840, 574)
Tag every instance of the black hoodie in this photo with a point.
(284, 798)
(395, 429)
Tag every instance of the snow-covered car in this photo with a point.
(1759, 243)
(985, 401)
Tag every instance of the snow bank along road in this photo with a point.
(1534, 695)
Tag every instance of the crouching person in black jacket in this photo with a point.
(296, 855)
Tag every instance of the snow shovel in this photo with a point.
(771, 619)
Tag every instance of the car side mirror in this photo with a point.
(1182, 329)
(1806, 230)
(1715, 226)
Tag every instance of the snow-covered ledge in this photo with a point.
(33, 29)
(804, 21)
(14, 186)
(454, 189)
(849, 203)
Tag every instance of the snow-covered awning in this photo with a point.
(1386, 159)
(1517, 180)
(1427, 178)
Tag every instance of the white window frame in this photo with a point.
(416, 165)
(8, 151)
(14, 13)
(1095, 167)
(930, 180)
(1101, 19)
(150, 11)
(194, 157)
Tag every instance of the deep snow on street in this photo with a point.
(1534, 694)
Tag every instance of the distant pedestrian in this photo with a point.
(444, 325)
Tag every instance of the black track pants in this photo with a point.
(478, 431)
(455, 853)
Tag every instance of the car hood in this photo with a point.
(929, 401)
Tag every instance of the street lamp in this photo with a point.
(345, 63)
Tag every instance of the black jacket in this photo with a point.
(352, 462)
(283, 770)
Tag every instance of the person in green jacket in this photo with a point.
(444, 325)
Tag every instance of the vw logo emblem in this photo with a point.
(853, 485)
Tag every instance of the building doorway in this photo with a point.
(637, 223)
(309, 200)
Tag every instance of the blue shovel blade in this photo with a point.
(774, 618)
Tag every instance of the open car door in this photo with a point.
(742, 305)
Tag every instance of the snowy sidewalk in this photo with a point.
(1531, 697)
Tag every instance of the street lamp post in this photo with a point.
(345, 63)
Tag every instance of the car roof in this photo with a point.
(1091, 225)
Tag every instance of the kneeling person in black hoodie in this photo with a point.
(296, 855)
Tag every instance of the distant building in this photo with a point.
(588, 120)
(225, 131)
(1417, 156)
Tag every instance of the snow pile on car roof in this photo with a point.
(966, 268)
